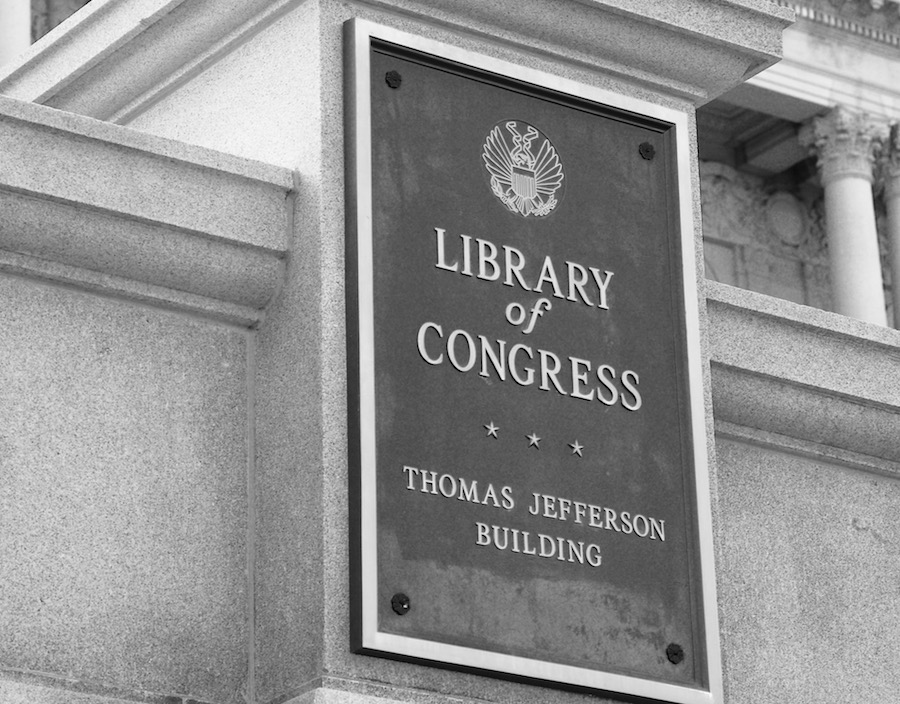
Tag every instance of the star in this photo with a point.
(577, 447)
(492, 429)
(533, 441)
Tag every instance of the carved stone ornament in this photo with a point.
(818, 286)
(845, 143)
(891, 164)
(786, 218)
(738, 208)
(731, 203)
(874, 19)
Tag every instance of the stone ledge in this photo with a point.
(864, 462)
(27, 693)
(112, 60)
(803, 373)
(692, 49)
(803, 413)
(130, 214)
(18, 687)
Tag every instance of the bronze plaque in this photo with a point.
(524, 382)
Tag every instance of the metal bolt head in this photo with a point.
(675, 653)
(400, 604)
(393, 79)
(646, 150)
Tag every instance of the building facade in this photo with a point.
(174, 443)
(777, 148)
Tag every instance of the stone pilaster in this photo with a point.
(891, 175)
(846, 145)
(891, 164)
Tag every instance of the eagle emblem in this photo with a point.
(525, 182)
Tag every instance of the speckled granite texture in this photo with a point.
(123, 500)
(808, 575)
(105, 207)
(173, 506)
(808, 485)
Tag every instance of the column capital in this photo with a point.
(846, 144)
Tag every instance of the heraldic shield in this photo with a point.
(525, 182)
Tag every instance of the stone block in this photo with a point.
(123, 500)
(807, 573)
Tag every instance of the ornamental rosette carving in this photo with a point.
(845, 143)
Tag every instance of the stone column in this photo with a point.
(15, 28)
(892, 203)
(845, 144)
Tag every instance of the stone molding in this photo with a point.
(824, 65)
(803, 373)
(875, 20)
(845, 143)
(115, 58)
(132, 215)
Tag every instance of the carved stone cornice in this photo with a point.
(874, 20)
(845, 143)
(115, 60)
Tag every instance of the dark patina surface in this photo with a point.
(466, 457)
